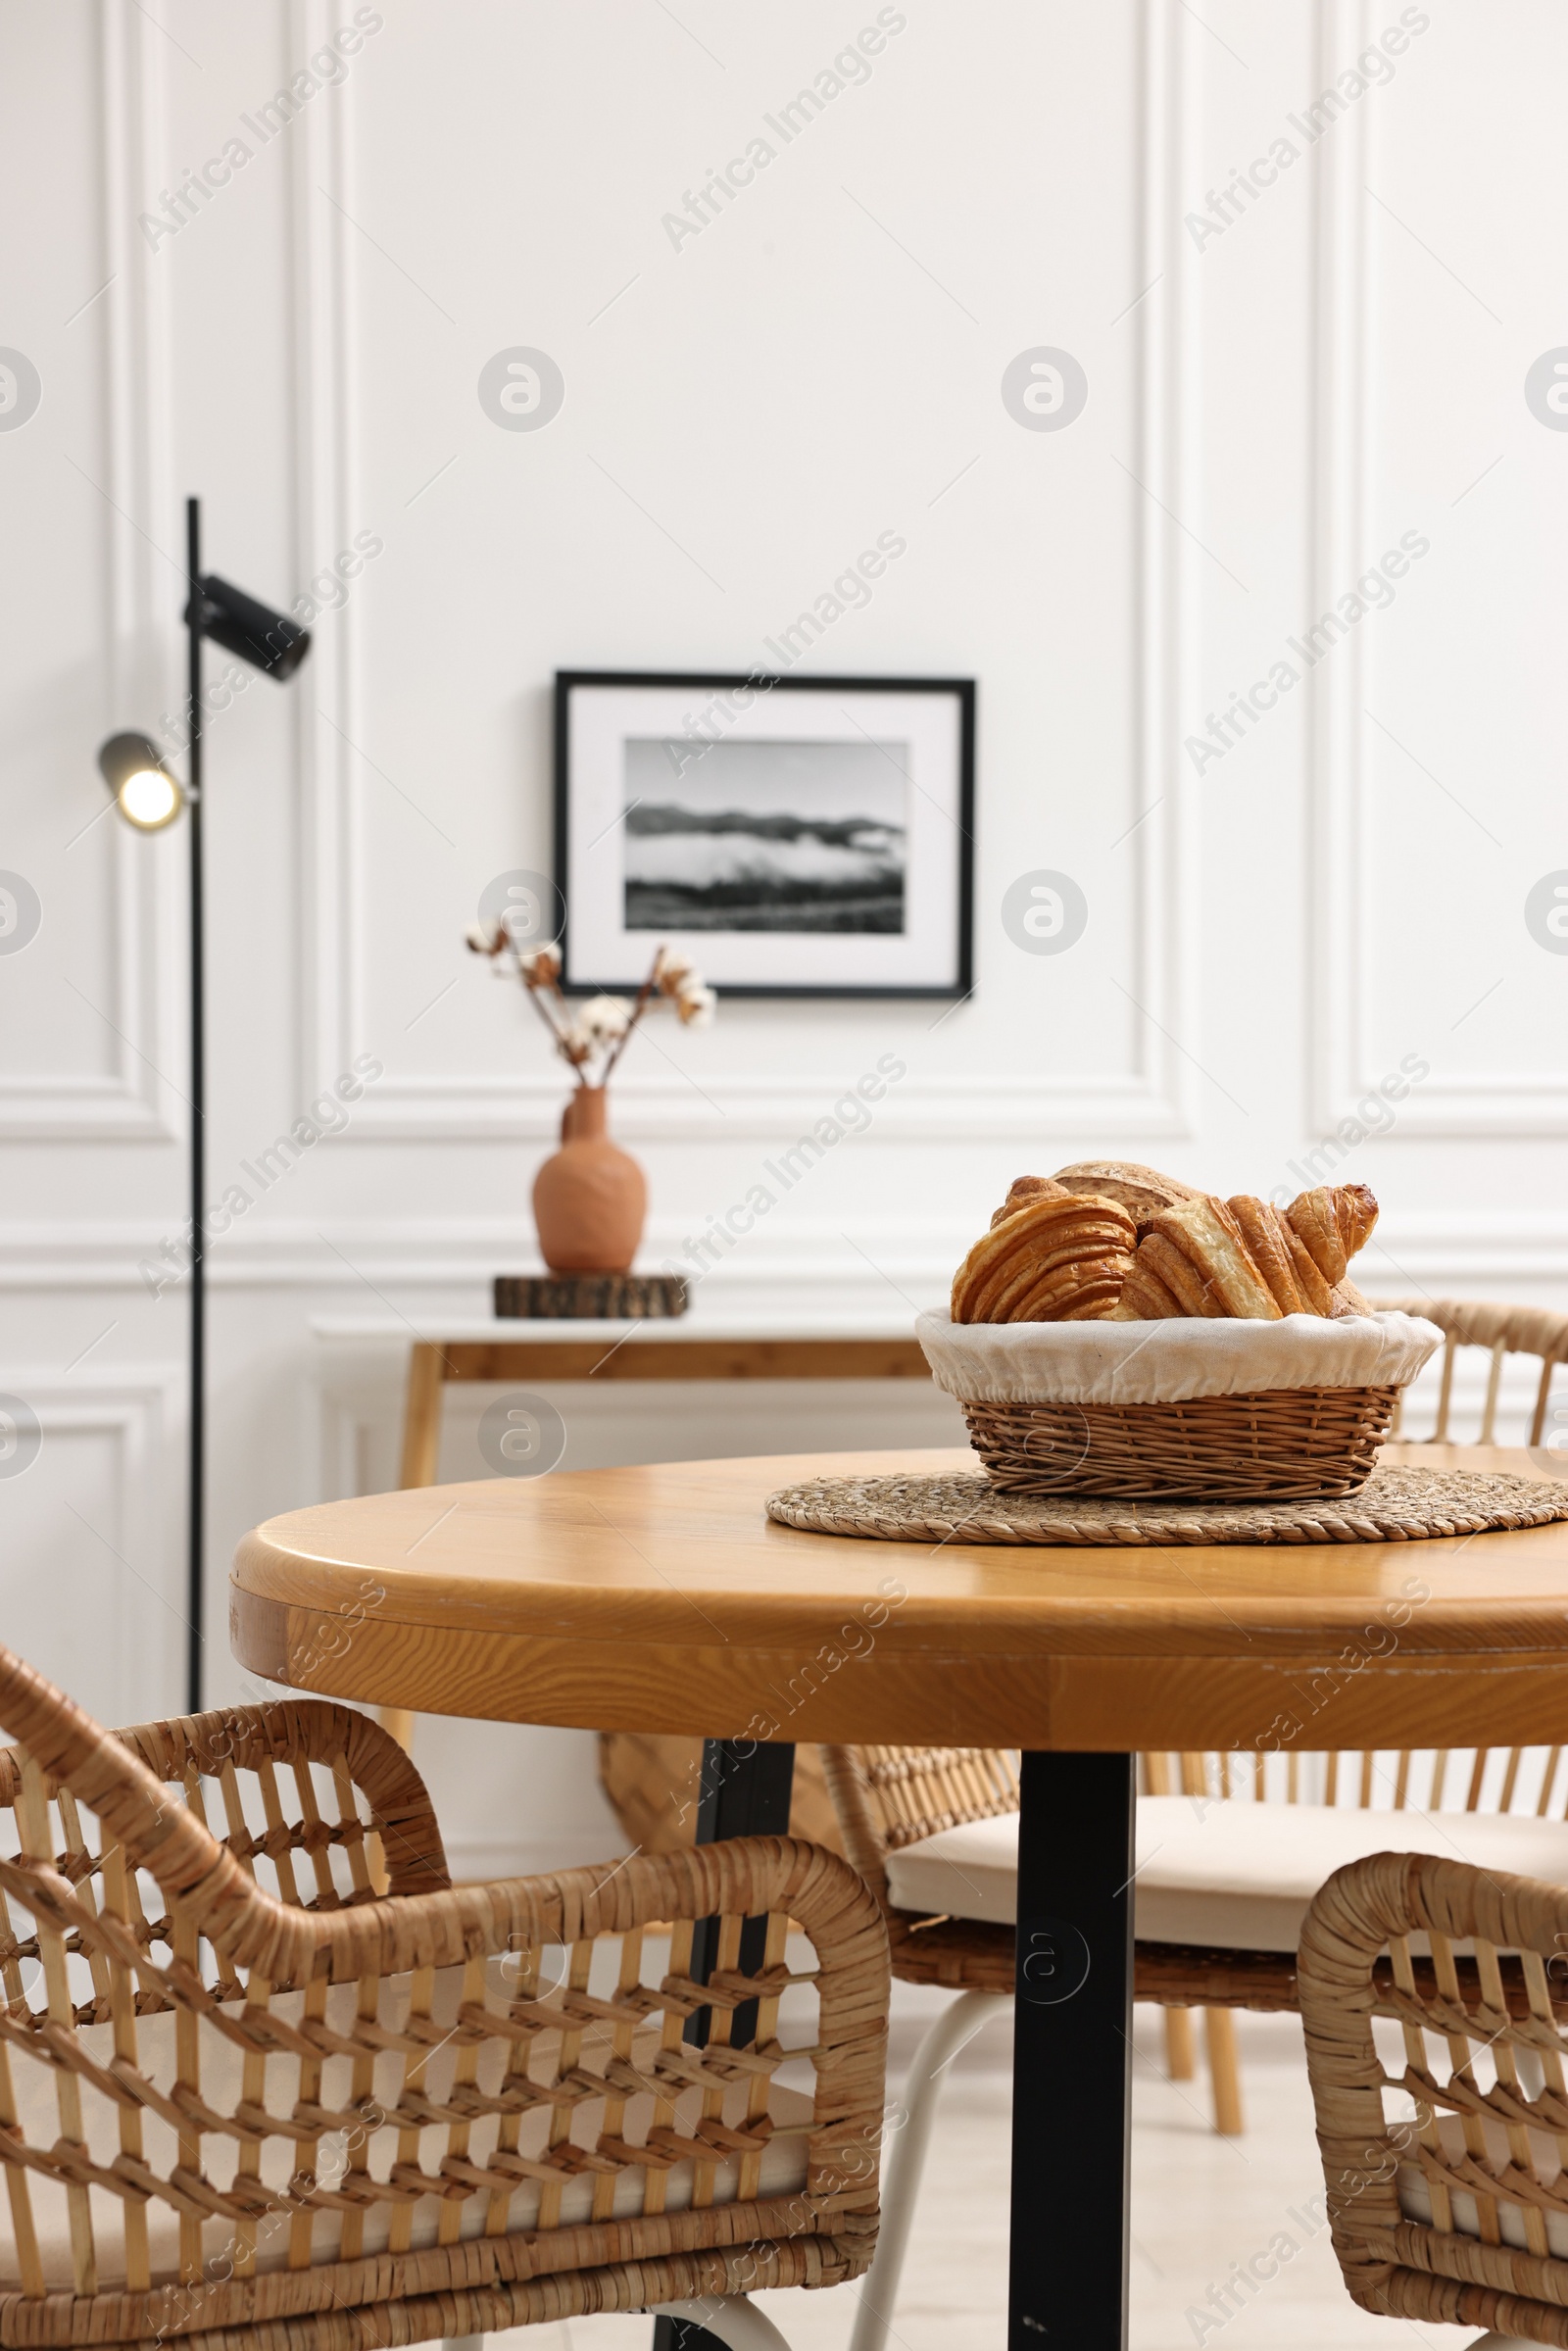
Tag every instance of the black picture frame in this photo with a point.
(960, 689)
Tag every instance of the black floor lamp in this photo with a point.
(149, 797)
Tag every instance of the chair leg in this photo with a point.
(735, 2320)
(1181, 2062)
(1224, 2073)
(905, 2159)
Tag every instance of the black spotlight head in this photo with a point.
(267, 640)
(133, 767)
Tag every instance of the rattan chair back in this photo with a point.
(1443, 2150)
(1433, 1780)
(238, 2089)
(891, 1796)
(888, 1797)
(1526, 1779)
(1505, 1331)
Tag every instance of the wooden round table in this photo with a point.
(663, 1599)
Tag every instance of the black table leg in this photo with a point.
(745, 1790)
(1072, 2060)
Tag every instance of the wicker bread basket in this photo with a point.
(1278, 1411)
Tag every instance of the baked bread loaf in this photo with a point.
(1061, 1257)
(1141, 1190)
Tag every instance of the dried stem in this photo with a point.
(550, 1007)
(577, 1046)
(644, 994)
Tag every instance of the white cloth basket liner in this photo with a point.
(1166, 1363)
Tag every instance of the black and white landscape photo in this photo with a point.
(765, 836)
(815, 838)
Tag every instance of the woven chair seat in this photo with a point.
(783, 2165)
(1223, 1875)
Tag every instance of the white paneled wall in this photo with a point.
(1288, 380)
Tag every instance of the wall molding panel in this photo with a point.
(1343, 879)
(139, 1411)
(1154, 1097)
(1470, 1250)
(127, 467)
(324, 287)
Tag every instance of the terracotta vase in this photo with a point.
(589, 1197)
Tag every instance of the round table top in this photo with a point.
(663, 1599)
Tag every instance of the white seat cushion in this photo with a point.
(1236, 1875)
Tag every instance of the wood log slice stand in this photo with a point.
(590, 1297)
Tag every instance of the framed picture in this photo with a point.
(796, 836)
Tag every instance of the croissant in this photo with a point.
(1274, 1250)
(1024, 1189)
(1248, 1260)
(1170, 1266)
(1203, 1245)
(1145, 1297)
(1061, 1257)
(1333, 1222)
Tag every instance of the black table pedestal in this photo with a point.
(1072, 2054)
(1072, 2057)
(744, 1791)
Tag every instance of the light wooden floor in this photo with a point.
(1200, 2204)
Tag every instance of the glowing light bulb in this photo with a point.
(149, 798)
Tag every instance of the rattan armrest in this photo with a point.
(1461, 2214)
(122, 1777)
(290, 1731)
(750, 1876)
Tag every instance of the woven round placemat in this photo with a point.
(1395, 1506)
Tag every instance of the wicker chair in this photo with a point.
(1454, 2206)
(244, 2100)
(1231, 1852)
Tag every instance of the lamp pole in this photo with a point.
(149, 797)
(195, 1587)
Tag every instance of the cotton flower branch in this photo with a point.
(594, 1039)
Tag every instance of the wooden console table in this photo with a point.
(654, 1349)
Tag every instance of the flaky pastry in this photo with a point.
(1248, 1260)
(1333, 1222)
(1024, 1189)
(1204, 1238)
(1060, 1258)
(1111, 1240)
